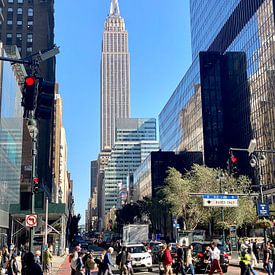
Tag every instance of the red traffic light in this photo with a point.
(36, 180)
(30, 80)
(234, 159)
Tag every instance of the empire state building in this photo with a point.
(115, 76)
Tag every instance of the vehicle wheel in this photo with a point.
(150, 269)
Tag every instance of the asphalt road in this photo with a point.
(231, 271)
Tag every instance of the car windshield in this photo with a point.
(137, 249)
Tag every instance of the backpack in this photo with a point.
(118, 258)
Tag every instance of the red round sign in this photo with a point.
(31, 220)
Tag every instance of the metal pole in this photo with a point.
(46, 221)
(34, 153)
(222, 212)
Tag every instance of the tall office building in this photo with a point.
(227, 96)
(115, 76)
(135, 140)
(29, 24)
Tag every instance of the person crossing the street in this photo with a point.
(215, 259)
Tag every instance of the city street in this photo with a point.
(65, 269)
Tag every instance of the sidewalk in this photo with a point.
(61, 265)
(234, 261)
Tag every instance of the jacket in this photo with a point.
(167, 258)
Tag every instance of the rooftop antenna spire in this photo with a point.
(114, 9)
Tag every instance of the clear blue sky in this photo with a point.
(160, 50)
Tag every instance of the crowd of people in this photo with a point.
(30, 263)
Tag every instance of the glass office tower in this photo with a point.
(227, 96)
(244, 26)
(135, 140)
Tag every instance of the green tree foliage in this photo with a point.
(201, 179)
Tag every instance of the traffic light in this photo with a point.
(29, 93)
(45, 99)
(233, 162)
(35, 185)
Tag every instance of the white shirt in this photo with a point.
(215, 254)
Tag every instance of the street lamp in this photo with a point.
(220, 178)
(32, 126)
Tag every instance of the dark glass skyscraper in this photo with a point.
(227, 97)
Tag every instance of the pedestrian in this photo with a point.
(267, 258)
(180, 260)
(107, 262)
(99, 262)
(167, 259)
(272, 248)
(89, 264)
(253, 261)
(215, 259)
(122, 262)
(245, 262)
(47, 261)
(189, 260)
(77, 262)
(30, 267)
(37, 257)
(255, 249)
(129, 262)
(5, 258)
(14, 265)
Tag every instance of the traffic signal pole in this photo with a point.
(34, 132)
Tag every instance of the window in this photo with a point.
(10, 1)
(30, 12)
(19, 35)
(19, 11)
(9, 38)
(9, 22)
(19, 22)
(9, 35)
(29, 38)
(30, 23)
(10, 9)
(20, 1)
(29, 49)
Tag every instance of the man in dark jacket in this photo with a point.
(30, 267)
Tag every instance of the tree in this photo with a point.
(201, 179)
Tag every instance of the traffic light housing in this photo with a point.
(233, 164)
(35, 185)
(45, 99)
(29, 93)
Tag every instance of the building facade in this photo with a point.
(135, 140)
(226, 97)
(11, 133)
(115, 76)
(245, 26)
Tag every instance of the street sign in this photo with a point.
(31, 220)
(220, 200)
(262, 209)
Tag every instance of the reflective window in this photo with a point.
(19, 11)
(29, 38)
(30, 12)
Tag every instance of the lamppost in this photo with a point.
(32, 126)
(220, 178)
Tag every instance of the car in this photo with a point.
(141, 258)
(95, 250)
(202, 264)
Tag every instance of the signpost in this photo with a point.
(31, 220)
(220, 200)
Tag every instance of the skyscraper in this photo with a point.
(227, 96)
(115, 76)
